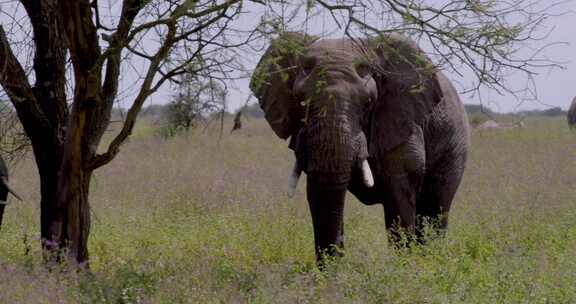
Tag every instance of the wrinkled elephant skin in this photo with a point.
(369, 116)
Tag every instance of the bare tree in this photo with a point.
(65, 125)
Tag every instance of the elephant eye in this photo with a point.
(362, 69)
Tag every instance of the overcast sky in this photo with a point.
(554, 87)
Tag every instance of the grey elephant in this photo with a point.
(372, 116)
(5, 188)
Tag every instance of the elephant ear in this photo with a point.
(273, 79)
(408, 91)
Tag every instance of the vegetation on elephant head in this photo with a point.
(284, 51)
(273, 79)
(398, 53)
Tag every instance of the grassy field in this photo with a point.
(197, 220)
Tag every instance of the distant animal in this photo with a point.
(491, 124)
(237, 121)
(571, 116)
(5, 188)
(372, 116)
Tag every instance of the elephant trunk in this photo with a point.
(333, 148)
(326, 202)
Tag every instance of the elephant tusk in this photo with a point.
(367, 174)
(293, 179)
(4, 182)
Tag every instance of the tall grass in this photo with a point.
(197, 220)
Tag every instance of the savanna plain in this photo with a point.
(195, 219)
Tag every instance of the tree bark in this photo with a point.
(42, 108)
(70, 226)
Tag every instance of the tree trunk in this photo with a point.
(48, 171)
(73, 227)
(65, 217)
(69, 226)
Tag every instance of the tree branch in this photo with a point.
(14, 81)
(474, 34)
(145, 91)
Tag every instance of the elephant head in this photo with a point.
(323, 93)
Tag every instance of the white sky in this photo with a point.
(554, 87)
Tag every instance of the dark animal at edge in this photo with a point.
(4, 189)
(571, 115)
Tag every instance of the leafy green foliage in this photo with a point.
(284, 50)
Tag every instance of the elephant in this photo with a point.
(5, 188)
(571, 115)
(371, 116)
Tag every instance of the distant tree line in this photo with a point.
(551, 112)
(160, 111)
(182, 114)
(474, 109)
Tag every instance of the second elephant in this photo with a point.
(5, 188)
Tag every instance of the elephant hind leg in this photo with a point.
(400, 207)
(435, 200)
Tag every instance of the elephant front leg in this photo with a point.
(327, 209)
